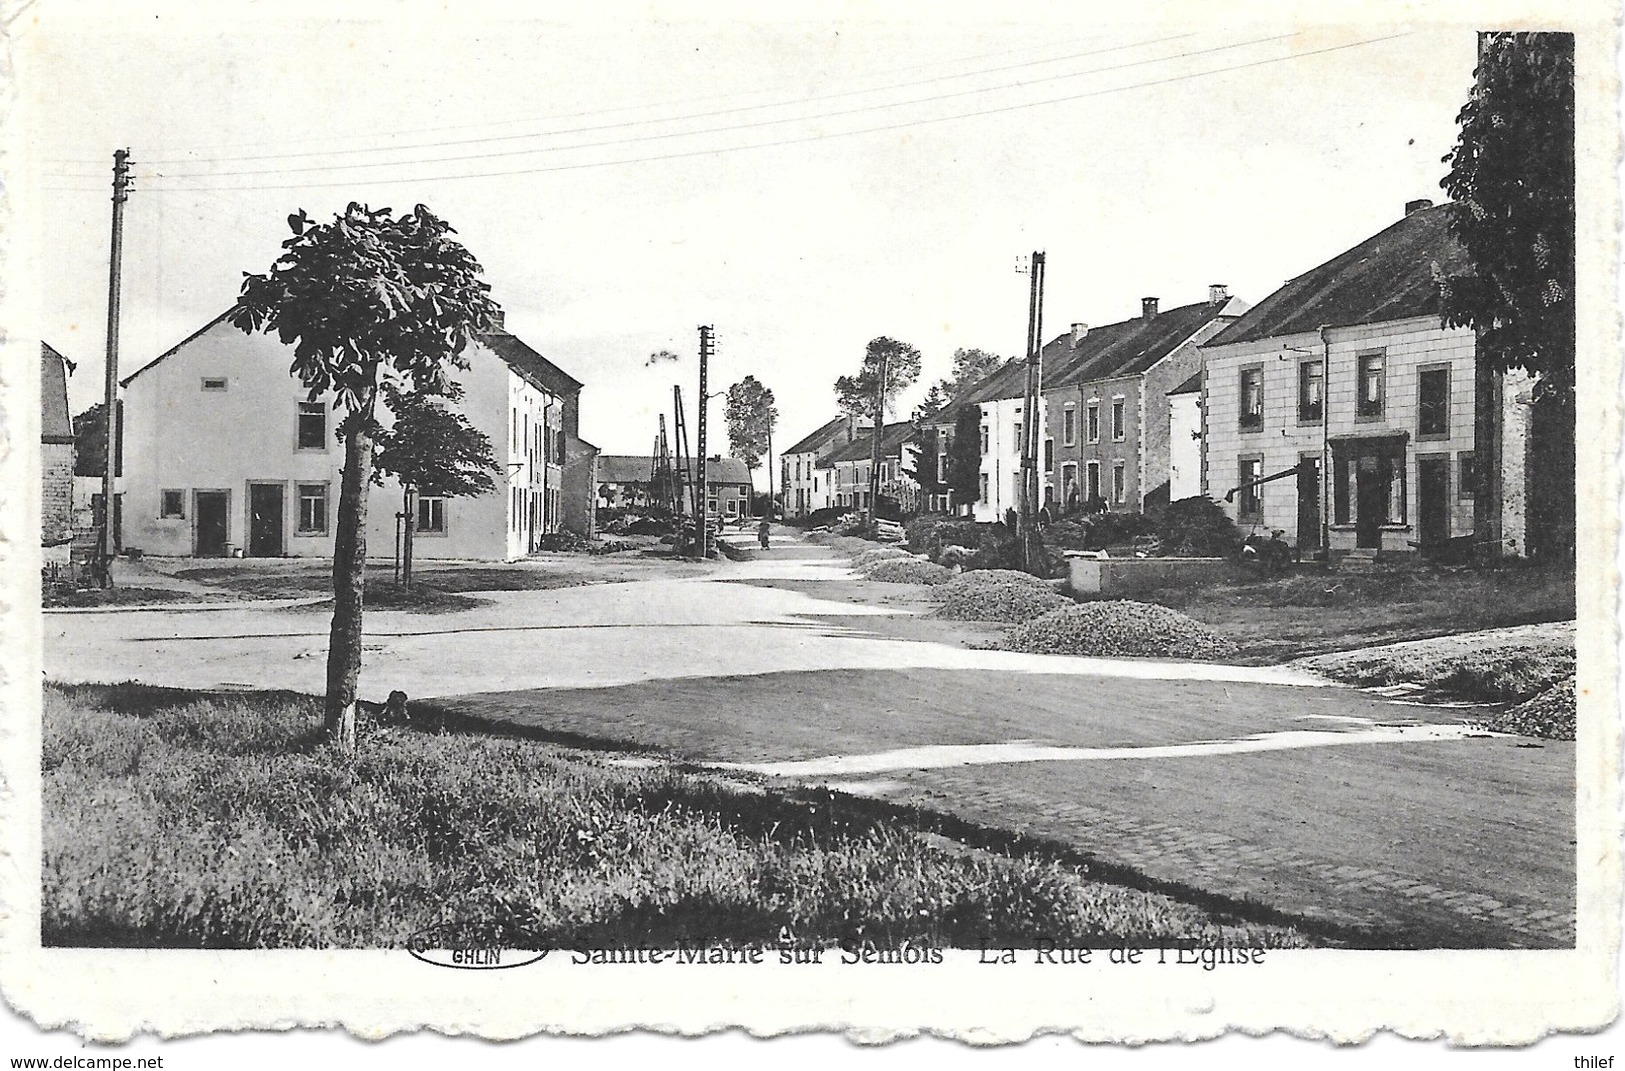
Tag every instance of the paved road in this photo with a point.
(1325, 802)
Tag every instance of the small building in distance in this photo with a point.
(224, 453)
(850, 466)
(1348, 371)
(627, 481)
(804, 471)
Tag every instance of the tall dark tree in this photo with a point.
(1512, 176)
(964, 476)
(751, 416)
(856, 395)
(432, 450)
(366, 292)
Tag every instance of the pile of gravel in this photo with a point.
(908, 570)
(879, 554)
(1549, 715)
(1118, 629)
(997, 595)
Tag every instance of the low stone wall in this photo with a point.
(1125, 576)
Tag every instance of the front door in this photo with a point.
(265, 520)
(1308, 503)
(209, 507)
(1433, 500)
(1370, 502)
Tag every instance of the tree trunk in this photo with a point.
(1486, 459)
(409, 506)
(349, 577)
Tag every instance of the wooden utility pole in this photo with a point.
(770, 472)
(1027, 517)
(702, 515)
(875, 435)
(105, 542)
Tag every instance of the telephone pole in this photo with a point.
(1031, 554)
(105, 547)
(875, 436)
(708, 345)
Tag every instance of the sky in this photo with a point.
(802, 183)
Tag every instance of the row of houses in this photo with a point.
(1344, 384)
(221, 452)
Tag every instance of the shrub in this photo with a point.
(1098, 531)
(929, 535)
(908, 571)
(998, 595)
(1198, 528)
(1118, 629)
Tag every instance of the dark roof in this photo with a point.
(861, 448)
(1126, 348)
(820, 440)
(56, 425)
(513, 352)
(1389, 276)
(634, 468)
(530, 364)
(1191, 385)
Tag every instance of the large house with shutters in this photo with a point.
(804, 471)
(1349, 371)
(224, 454)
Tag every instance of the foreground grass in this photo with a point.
(120, 596)
(259, 581)
(216, 820)
(1486, 667)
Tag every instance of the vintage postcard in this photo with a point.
(545, 525)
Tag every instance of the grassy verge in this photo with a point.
(1487, 668)
(298, 581)
(122, 596)
(216, 820)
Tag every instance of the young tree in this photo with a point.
(1512, 176)
(367, 292)
(432, 450)
(964, 476)
(751, 417)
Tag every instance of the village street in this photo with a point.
(1332, 805)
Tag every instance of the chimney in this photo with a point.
(1148, 309)
(1078, 332)
(1217, 292)
(1417, 205)
(499, 321)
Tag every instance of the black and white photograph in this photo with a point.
(986, 523)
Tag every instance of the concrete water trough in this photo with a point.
(1092, 573)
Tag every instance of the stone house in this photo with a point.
(56, 449)
(1349, 370)
(625, 480)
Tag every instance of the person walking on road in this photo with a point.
(761, 533)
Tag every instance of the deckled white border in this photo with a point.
(1469, 997)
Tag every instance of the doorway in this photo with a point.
(210, 508)
(265, 520)
(1308, 502)
(1370, 502)
(1433, 500)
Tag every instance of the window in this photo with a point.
(214, 383)
(1092, 479)
(710, 505)
(984, 440)
(312, 426)
(1252, 398)
(1021, 448)
(1466, 476)
(558, 447)
(1069, 483)
(1311, 387)
(1250, 497)
(733, 507)
(984, 494)
(1049, 455)
(172, 505)
(432, 514)
(313, 509)
(1093, 424)
(1069, 430)
(1433, 404)
(1119, 421)
(1369, 403)
(1119, 483)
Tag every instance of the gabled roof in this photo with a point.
(634, 468)
(862, 449)
(822, 439)
(513, 351)
(1129, 347)
(1390, 276)
(530, 364)
(56, 424)
(1190, 386)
